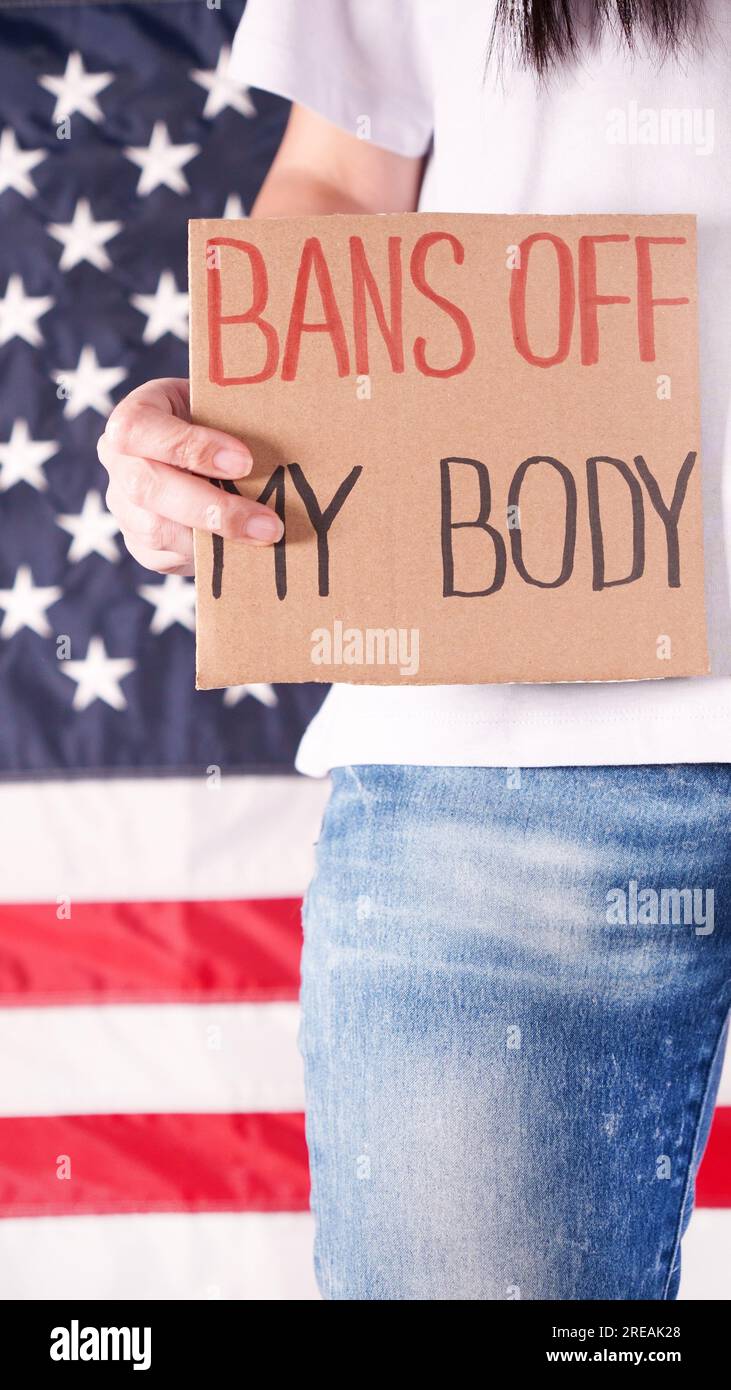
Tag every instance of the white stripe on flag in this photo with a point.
(139, 838)
(705, 1255)
(248, 1255)
(145, 1058)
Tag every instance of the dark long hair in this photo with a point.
(547, 33)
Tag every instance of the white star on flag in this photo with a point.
(77, 90)
(166, 310)
(93, 529)
(234, 206)
(22, 458)
(19, 313)
(25, 604)
(161, 162)
(173, 601)
(83, 239)
(98, 676)
(16, 164)
(223, 90)
(87, 386)
(265, 694)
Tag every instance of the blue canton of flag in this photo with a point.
(117, 124)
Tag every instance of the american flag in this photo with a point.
(156, 841)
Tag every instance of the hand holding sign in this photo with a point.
(479, 430)
(154, 456)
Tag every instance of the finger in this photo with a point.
(146, 423)
(160, 561)
(150, 530)
(155, 487)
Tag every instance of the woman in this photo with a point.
(510, 1069)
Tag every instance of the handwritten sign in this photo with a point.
(481, 433)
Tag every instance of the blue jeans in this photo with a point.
(513, 1025)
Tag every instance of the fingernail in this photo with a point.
(264, 528)
(235, 463)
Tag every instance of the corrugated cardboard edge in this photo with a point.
(191, 383)
(693, 218)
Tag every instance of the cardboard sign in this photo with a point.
(482, 434)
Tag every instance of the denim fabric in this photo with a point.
(508, 1086)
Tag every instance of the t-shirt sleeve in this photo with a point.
(360, 63)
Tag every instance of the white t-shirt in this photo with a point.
(498, 142)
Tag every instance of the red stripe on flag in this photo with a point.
(145, 952)
(713, 1187)
(149, 1163)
